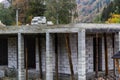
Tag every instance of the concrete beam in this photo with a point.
(81, 55)
(21, 73)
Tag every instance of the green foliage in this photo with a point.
(112, 8)
(7, 15)
(60, 10)
(36, 8)
(117, 6)
(107, 12)
(97, 19)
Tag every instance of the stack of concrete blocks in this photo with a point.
(63, 56)
(110, 52)
(89, 54)
(12, 52)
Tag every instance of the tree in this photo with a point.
(107, 12)
(36, 8)
(28, 9)
(22, 5)
(115, 18)
(6, 15)
(112, 8)
(117, 6)
(61, 11)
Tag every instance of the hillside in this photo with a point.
(88, 10)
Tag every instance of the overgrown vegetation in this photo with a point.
(27, 9)
(35, 8)
(7, 15)
(61, 11)
(111, 13)
(57, 11)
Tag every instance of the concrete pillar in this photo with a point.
(21, 73)
(81, 55)
(49, 56)
(117, 49)
(119, 41)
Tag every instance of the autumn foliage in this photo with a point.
(115, 18)
(23, 7)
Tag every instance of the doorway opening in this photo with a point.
(99, 53)
(4, 51)
(30, 46)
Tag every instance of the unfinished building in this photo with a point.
(76, 50)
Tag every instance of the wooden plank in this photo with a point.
(56, 56)
(69, 55)
(96, 60)
(106, 54)
(40, 58)
(26, 63)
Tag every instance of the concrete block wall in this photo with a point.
(12, 52)
(89, 54)
(63, 62)
(74, 44)
(43, 52)
(116, 43)
(110, 51)
(63, 57)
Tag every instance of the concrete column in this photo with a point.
(49, 57)
(21, 73)
(119, 41)
(81, 55)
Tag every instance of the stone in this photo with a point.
(2, 73)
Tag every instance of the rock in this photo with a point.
(1, 24)
(2, 73)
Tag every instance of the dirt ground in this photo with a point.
(90, 76)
